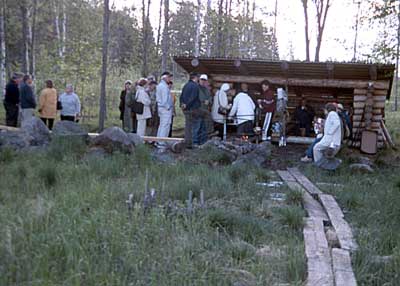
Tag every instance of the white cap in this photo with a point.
(204, 76)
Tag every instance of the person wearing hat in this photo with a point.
(142, 97)
(125, 111)
(11, 100)
(190, 104)
(154, 121)
(164, 107)
(206, 126)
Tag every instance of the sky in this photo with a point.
(338, 35)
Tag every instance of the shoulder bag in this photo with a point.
(221, 110)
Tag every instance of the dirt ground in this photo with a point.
(284, 157)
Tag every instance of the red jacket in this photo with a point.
(268, 102)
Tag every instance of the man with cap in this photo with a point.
(190, 104)
(125, 111)
(11, 100)
(164, 107)
(206, 125)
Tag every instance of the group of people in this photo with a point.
(20, 102)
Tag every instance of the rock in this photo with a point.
(136, 140)
(332, 238)
(361, 168)
(69, 129)
(163, 156)
(363, 160)
(113, 139)
(35, 128)
(15, 139)
(330, 164)
(257, 157)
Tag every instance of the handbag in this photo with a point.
(221, 110)
(136, 106)
(59, 105)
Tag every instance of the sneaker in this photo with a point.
(306, 159)
(268, 138)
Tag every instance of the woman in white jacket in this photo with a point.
(332, 134)
(143, 97)
(220, 100)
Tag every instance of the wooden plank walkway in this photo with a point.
(325, 266)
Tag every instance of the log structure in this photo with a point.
(362, 88)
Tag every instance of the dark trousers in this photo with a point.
(134, 123)
(245, 128)
(48, 122)
(188, 128)
(219, 127)
(170, 130)
(68, 118)
(11, 114)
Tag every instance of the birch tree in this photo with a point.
(198, 23)
(2, 49)
(106, 25)
(306, 29)
(165, 39)
(322, 7)
(32, 58)
(26, 33)
(208, 21)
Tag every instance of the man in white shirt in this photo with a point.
(243, 112)
(164, 106)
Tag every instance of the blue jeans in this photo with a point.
(196, 130)
(309, 152)
(203, 133)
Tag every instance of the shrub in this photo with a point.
(294, 197)
(292, 217)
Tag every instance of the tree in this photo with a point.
(306, 28)
(322, 7)
(198, 23)
(208, 24)
(106, 25)
(2, 49)
(32, 61)
(26, 35)
(165, 39)
(219, 28)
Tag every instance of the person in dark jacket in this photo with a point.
(11, 100)
(27, 99)
(304, 116)
(125, 113)
(206, 125)
(190, 104)
(268, 105)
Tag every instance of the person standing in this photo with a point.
(71, 105)
(267, 104)
(205, 115)
(11, 100)
(129, 99)
(171, 85)
(48, 104)
(244, 110)
(125, 111)
(27, 98)
(332, 137)
(154, 121)
(144, 98)
(190, 104)
(220, 109)
(304, 116)
(164, 107)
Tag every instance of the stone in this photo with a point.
(69, 129)
(15, 139)
(136, 140)
(39, 132)
(361, 168)
(113, 139)
(163, 156)
(332, 238)
(257, 157)
(329, 164)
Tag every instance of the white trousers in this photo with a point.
(267, 123)
(165, 123)
(141, 127)
(27, 113)
(318, 151)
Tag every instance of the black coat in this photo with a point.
(190, 95)
(122, 104)
(26, 96)
(12, 93)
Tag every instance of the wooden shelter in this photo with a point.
(361, 88)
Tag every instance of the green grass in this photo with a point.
(64, 221)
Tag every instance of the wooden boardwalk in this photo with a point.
(326, 266)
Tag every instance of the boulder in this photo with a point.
(113, 139)
(361, 168)
(329, 164)
(69, 129)
(15, 139)
(257, 157)
(135, 139)
(39, 132)
(163, 156)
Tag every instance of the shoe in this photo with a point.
(306, 159)
(268, 138)
(264, 138)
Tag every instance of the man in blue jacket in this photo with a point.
(11, 100)
(27, 98)
(190, 104)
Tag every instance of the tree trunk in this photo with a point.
(219, 28)
(25, 36)
(144, 39)
(33, 39)
(198, 23)
(208, 29)
(396, 90)
(57, 28)
(322, 13)
(165, 39)
(106, 26)
(159, 27)
(356, 32)
(274, 39)
(305, 3)
(2, 50)
(64, 28)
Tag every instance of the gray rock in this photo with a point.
(361, 168)
(35, 128)
(113, 139)
(136, 140)
(69, 129)
(163, 156)
(15, 139)
(330, 164)
(257, 157)
(364, 160)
